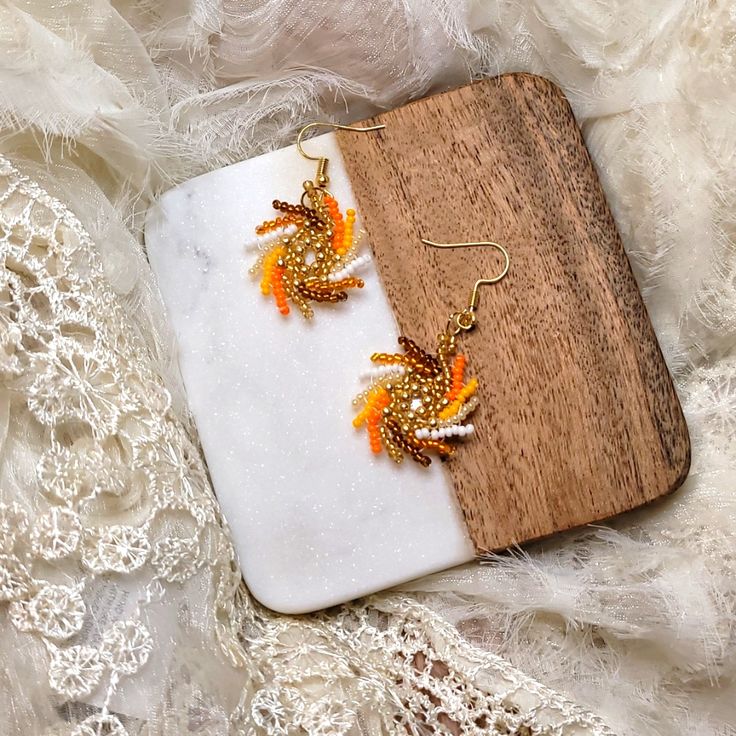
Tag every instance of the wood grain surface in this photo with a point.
(578, 419)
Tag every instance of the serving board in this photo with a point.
(579, 419)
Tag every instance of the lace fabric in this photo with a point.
(117, 101)
(117, 574)
(117, 508)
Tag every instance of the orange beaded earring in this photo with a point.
(417, 402)
(309, 253)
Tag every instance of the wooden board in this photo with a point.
(578, 419)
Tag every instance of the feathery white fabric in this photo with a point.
(634, 620)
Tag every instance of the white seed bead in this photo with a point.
(469, 428)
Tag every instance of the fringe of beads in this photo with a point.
(417, 401)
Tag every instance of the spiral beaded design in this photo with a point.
(308, 253)
(416, 401)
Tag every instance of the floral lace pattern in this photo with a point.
(116, 491)
(113, 556)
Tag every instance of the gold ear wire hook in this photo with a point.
(480, 282)
(321, 179)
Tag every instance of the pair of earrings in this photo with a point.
(416, 402)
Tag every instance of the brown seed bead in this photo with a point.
(318, 295)
(394, 432)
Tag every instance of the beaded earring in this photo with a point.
(417, 402)
(309, 253)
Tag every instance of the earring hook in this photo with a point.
(322, 179)
(329, 125)
(474, 297)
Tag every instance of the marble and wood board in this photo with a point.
(578, 417)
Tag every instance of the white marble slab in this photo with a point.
(316, 518)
